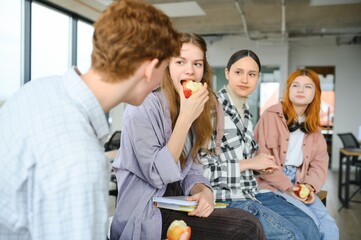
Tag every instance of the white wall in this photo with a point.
(289, 56)
(319, 52)
(275, 54)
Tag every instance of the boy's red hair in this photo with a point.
(128, 33)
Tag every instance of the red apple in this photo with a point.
(190, 87)
(303, 191)
(176, 229)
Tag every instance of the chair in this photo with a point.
(322, 195)
(114, 190)
(350, 143)
(113, 142)
(349, 140)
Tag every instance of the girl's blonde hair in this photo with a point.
(202, 126)
(312, 120)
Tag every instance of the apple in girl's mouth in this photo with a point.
(190, 87)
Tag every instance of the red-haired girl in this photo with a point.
(290, 131)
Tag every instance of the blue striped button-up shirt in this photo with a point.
(53, 173)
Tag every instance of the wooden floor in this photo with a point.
(348, 220)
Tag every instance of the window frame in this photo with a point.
(27, 23)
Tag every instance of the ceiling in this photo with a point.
(263, 20)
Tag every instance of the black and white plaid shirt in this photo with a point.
(223, 171)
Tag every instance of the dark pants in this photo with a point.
(226, 223)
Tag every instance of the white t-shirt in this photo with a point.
(294, 154)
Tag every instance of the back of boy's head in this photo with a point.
(126, 34)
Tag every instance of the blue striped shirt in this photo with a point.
(53, 173)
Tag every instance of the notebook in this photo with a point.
(178, 203)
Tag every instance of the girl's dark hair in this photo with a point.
(241, 54)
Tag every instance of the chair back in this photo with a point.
(113, 142)
(348, 140)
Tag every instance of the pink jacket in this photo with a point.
(272, 135)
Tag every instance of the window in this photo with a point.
(85, 46)
(36, 41)
(270, 88)
(327, 80)
(50, 42)
(327, 100)
(10, 42)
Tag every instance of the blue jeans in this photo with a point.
(316, 210)
(302, 224)
(280, 219)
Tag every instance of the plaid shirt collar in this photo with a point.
(245, 127)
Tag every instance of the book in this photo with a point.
(178, 203)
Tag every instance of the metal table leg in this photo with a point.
(347, 182)
(340, 171)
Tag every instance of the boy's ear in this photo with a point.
(150, 68)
